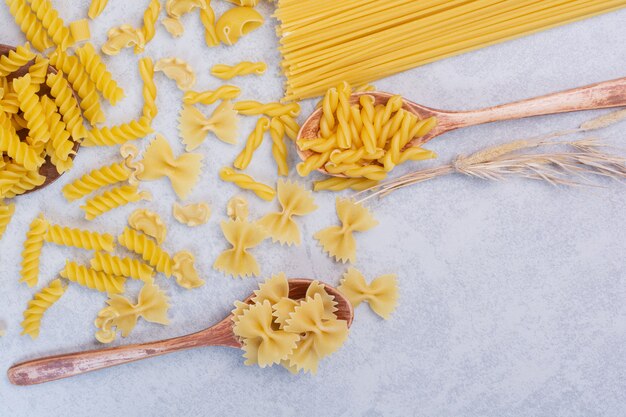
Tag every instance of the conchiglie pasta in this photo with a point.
(236, 22)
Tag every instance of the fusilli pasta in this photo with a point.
(96, 179)
(82, 239)
(226, 72)
(254, 141)
(246, 182)
(223, 92)
(90, 278)
(37, 307)
(124, 267)
(51, 21)
(6, 213)
(32, 251)
(99, 74)
(111, 199)
(29, 24)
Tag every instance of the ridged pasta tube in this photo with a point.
(99, 74)
(223, 92)
(15, 60)
(246, 182)
(148, 249)
(50, 20)
(78, 77)
(226, 72)
(37, 307)
(96, 7)
(125, 267)
(29, 24)
(82, 239)
(68, 105)
(251, 107)
(112, 199)
(90, 278)
(117, 135)
(149, 91)
(279, 148)
(254, 141)
(32, 251)
(96, 179)
(6, 213)
(33, 111)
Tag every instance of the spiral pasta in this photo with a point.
(33, 111)
(149, 91)
(29, 24)
(340, 184)
(148, 249)
(37, 307)
(150, 17)
(117, 135)
(124, 267)
(39, 70)
(32, 251)
(223, 92)
(99, 74)
(207, 17)
(254, 141)
(236, 22)
(226, 72)
(78, 77)
(51, 21)
(16, 180)
(246, 182)
(90, 278)
(6, 213)
(112, 199)
(60, 141)
(96, 179)
(15, 59)
(251, 107)
(20, 152)
(67, 104)
(96, 7)
(279, 148)
(82, 239)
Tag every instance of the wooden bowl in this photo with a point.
(48, 170)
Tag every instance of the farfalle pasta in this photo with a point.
(33, 244)
(381, 294)
(6, 214)
(194, 126)
(338, 241)
(29, 24)
(223, 92)
(124, 267)
(121, 314)
(124, 36)
(237, 261)
(82, 239)
(99, 74)
(254, 141)
(38, 306)
(246, 182)
(111, 199)
(295, 200)
(96, 179)
(92, 279)
(236, 22)
(191, 215)
(226, 72)
(159, 161)
(178, 70)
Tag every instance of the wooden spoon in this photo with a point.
(595, 96)
(63, 366)
(48, 170)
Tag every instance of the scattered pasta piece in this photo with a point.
(96, 179)
(150, 16)
(185, 272)
(149, 223)
(246, 182)
(99, 74)
(15, 59)
(223, 92)
(207, 17)
(279, 148)
(124, 267)
(6, 213)
(32, 109)
(250, 3)
(237, 208)
(53, 24)
(174, 26)
(192, 214)
(116, 135)
(159, 161)
(37, 307)
(381, 294)
(32, 251)
(30, 25)
(111, 199)
(122, 315)
(226, 72)
(340, 184)
(236, 22)
(149, 91)
(254, 141)
(194, 126)
(96, 7)
(124, 36)
(178, 70)
(80, 30)
(92, 279)
(82, 239)
(338, 241)
(68, 105)
(236, 261)
(295, 200)
(178, 8)
(251, 107)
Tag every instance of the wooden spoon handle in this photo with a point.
(63, 366)
(596, 96)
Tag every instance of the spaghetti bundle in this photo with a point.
(324, 42)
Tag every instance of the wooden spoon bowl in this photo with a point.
(48, 170)
(595, 96)
(63, 366)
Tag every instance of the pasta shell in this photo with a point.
(237, 22)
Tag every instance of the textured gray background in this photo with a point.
(512, 294)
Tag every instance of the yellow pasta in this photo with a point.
(237, 208)
(99, 74)
(254, 141)
(194, 126)
(207, 17)
(279, 148)
(340, 184)
(80, 31)
(226, 72)
(150, 16)
(117, 135)
(223, 92)
(29, 24)
(67, 104)
(112, 199)
(33, 111)
(174, 26)
(51, 21)
(381, 294)
(124, 267)
(32, 251)
(90, 278)
(149, 91)
(38, 306)
(38, 71)
(96, 179)
(295, 200)
(236, 22)
(250, 3)
(82, 239)
(96, 7)
(237, 261)
(192, 215)
(178, 70)
(148, 249)
(16, 180)
(159, 161)
(149, 223)
(338, 241)
(6, 213)
(20, 152)
(178, 8)
(15, 60)
(60, 142)
(246, 182)
(124, 36)
(251, 107)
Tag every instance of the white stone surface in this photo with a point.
(512, 294)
